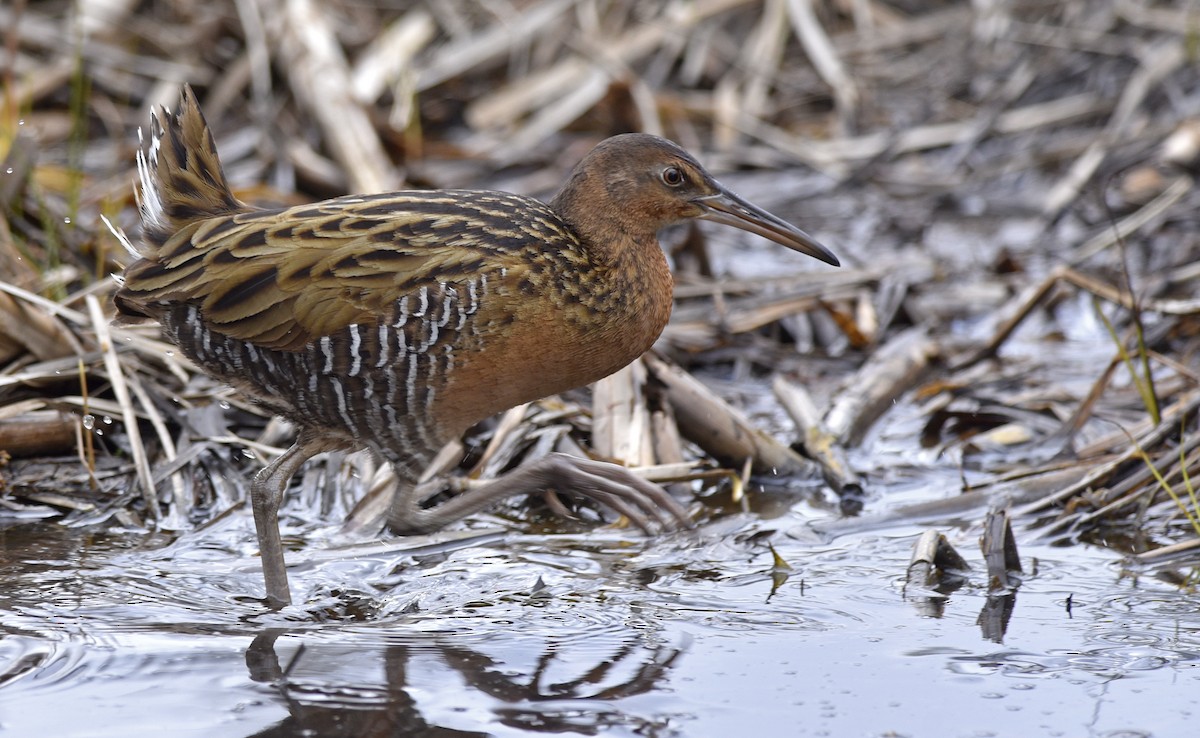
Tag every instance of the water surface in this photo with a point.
(605, 633)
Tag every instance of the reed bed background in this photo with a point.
(985, 170)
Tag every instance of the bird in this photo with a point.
(396, 321)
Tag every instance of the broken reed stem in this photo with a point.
(720, 429)
(180, 507)
(87, 447)
(819, 443)
(116, 375)
(1185, 406)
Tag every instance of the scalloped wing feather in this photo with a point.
(283, 278)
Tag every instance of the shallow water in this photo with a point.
(605, 633)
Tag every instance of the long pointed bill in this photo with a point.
(729, 209)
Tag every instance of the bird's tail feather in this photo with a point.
(179, 173)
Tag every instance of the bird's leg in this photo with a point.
(615, 486)
(266, 494)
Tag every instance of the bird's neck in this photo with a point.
(629, 290)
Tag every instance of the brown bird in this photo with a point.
(397, 321)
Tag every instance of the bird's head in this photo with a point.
(646, 183)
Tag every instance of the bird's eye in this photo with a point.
(672, 176)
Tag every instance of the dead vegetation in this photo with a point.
(986, 171)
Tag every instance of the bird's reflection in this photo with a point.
(379, 697)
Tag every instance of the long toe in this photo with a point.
(645, 504)
(626, 493)
(651, 496)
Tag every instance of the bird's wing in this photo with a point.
(283, 278)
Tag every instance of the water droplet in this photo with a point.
(89, 421)
(99, 431)
(21, 121)
(170, 353)
(248, 453)
(224, 405)
(67, 221)
(107, 420)
(8, 171)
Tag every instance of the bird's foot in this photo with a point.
(646, 505)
